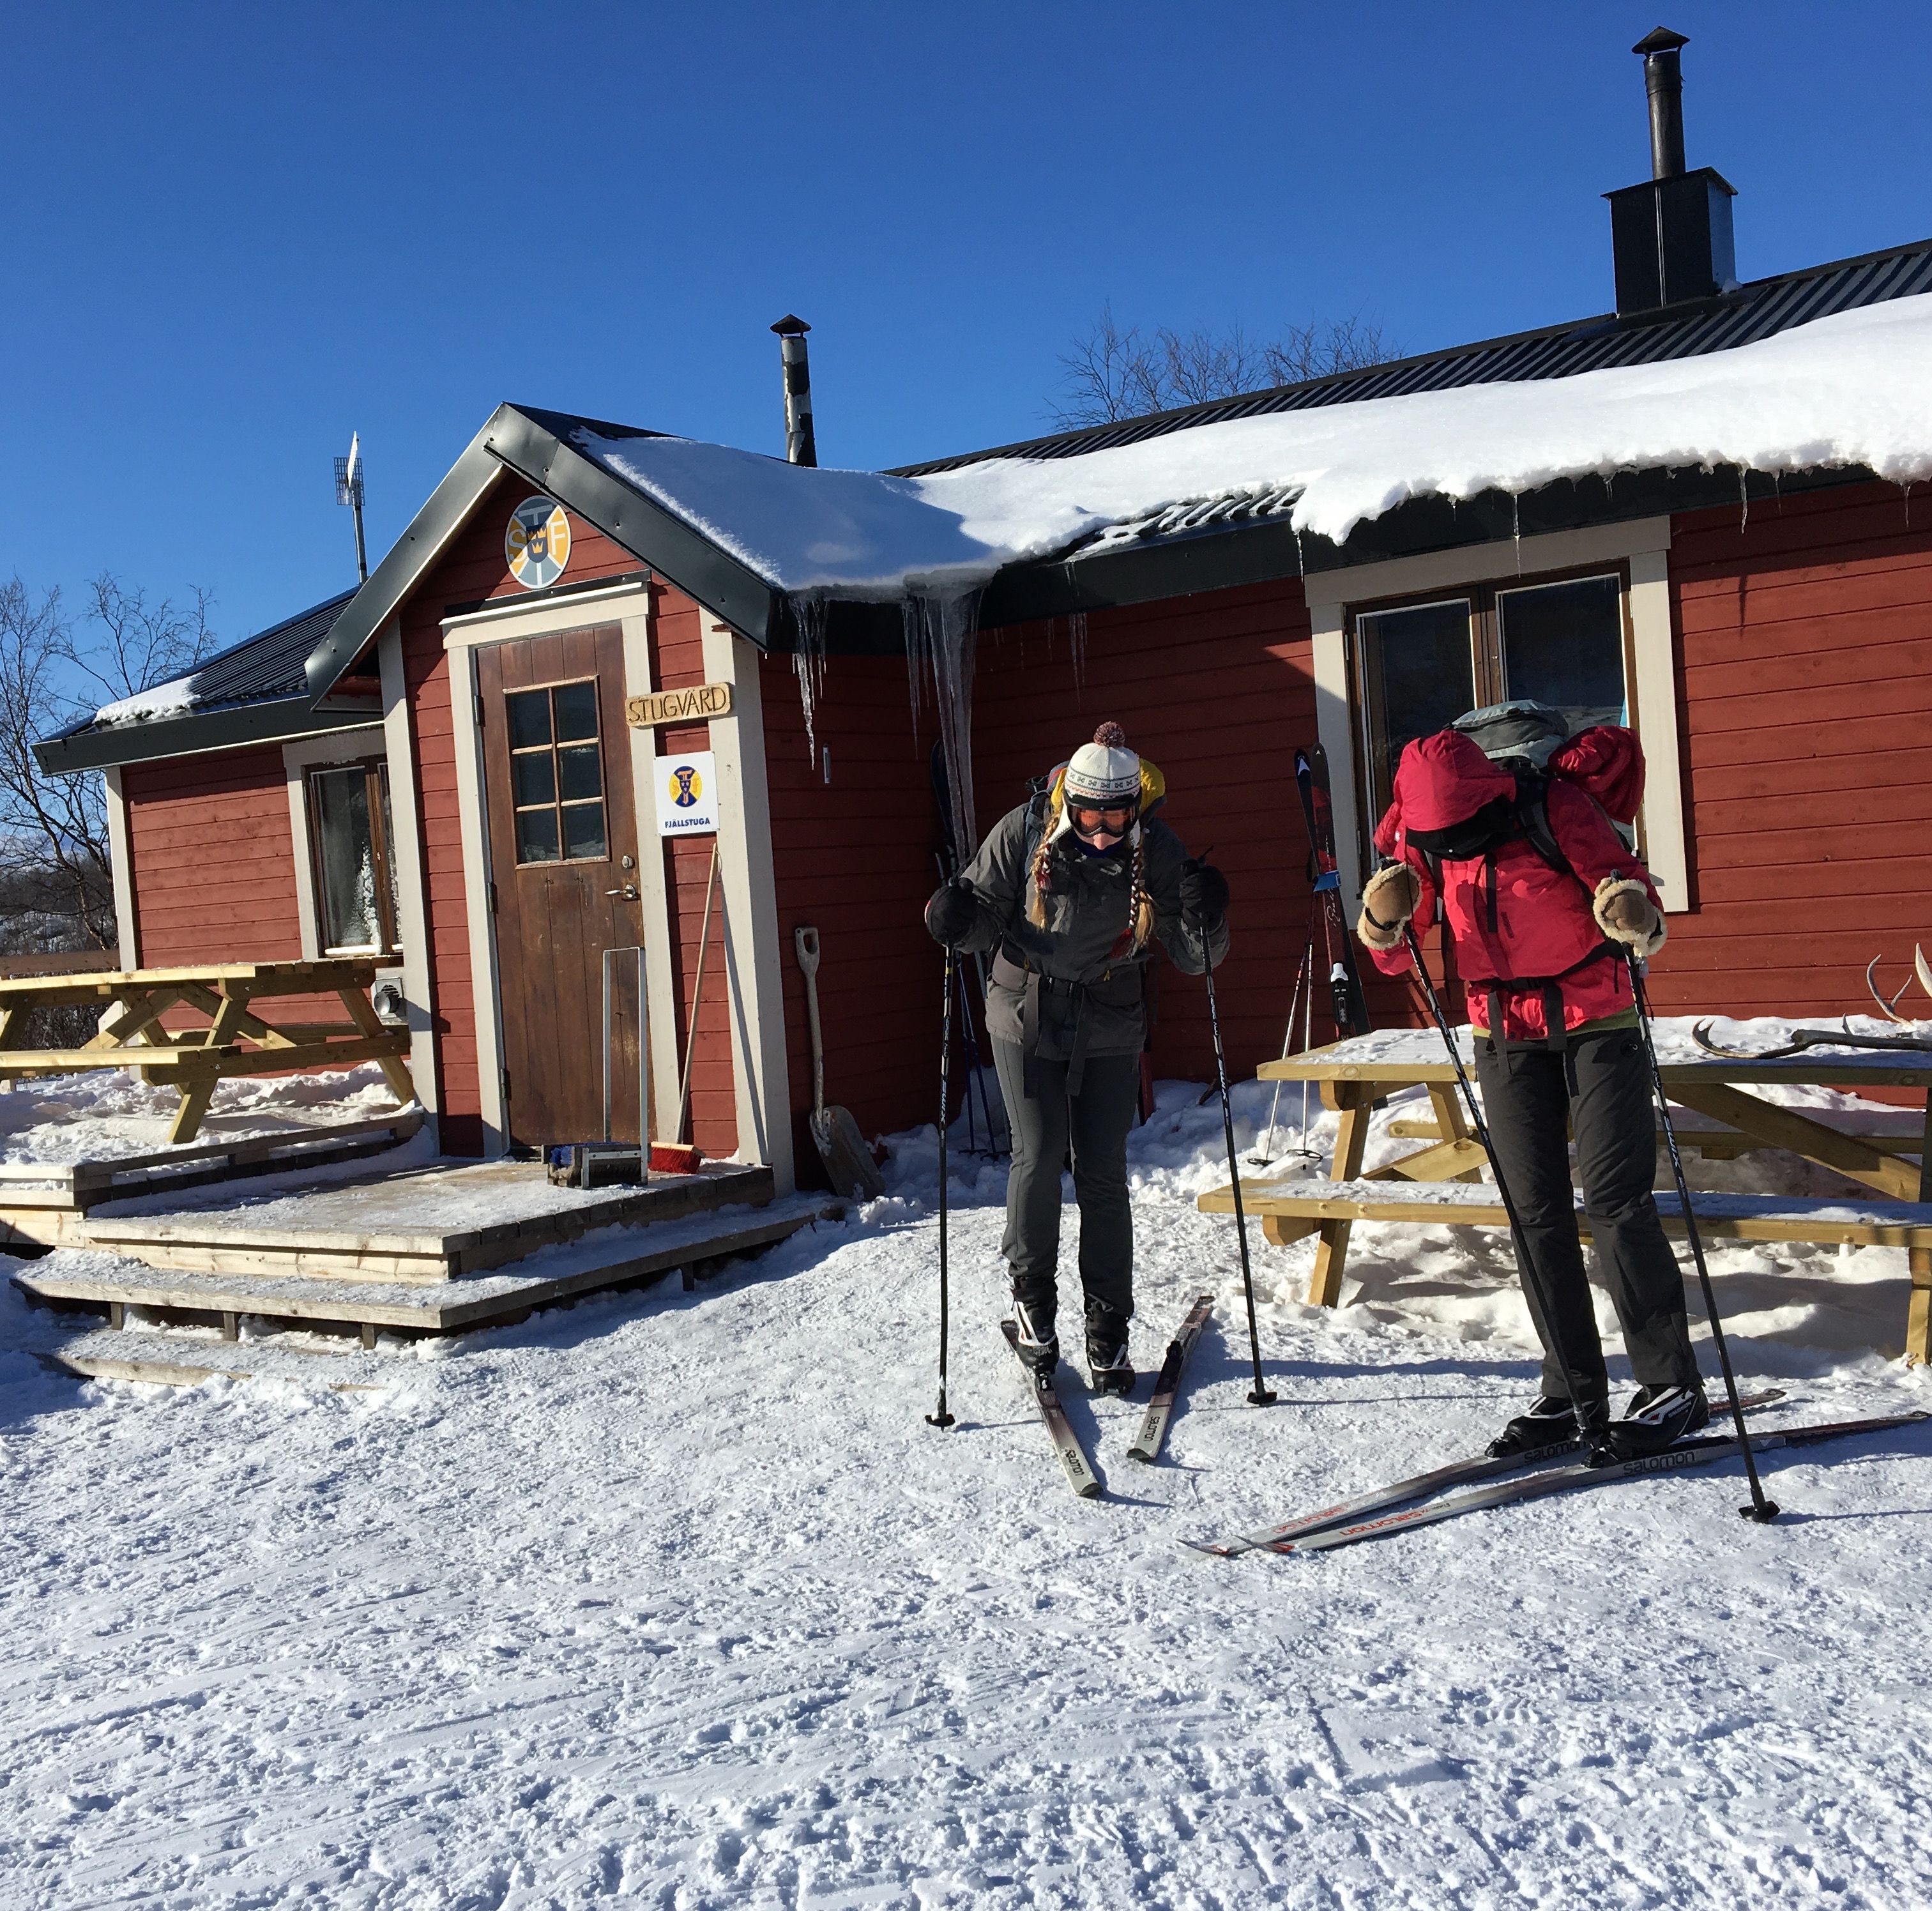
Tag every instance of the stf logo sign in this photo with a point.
(687, 794)
(536, 542)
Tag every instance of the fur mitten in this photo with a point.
(1625, 914)
(1388, 901)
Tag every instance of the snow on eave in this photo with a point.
(165, 700)
(1854, 389)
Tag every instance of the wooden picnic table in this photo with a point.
(236, 1041)
(1354, 1075)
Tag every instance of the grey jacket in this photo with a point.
(1086, 917)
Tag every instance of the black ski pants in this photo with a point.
(1094, 1124)
(1599, 1085)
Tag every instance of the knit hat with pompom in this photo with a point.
(1104, 773)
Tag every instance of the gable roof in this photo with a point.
(254, 692)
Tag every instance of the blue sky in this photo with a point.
(240, 231)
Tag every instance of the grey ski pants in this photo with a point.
(1599, 1086)
(1094, 1124)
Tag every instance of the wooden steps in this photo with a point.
(412, 1228)
(614, 1255)
(44, 1204)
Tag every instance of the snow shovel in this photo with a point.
(848, 1161)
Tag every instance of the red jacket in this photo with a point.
(1544, 922)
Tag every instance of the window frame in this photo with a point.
(1486, 661)
(375, 767)
(557, 804)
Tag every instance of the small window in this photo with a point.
(1421, 665)
(355, 875)
(557, 774)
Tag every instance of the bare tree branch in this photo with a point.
(1113, 373)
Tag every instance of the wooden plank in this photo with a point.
(362, 1012)
(1784, 1128)
(1456, 1160)
(1351, 1139)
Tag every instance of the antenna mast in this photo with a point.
(348, 491)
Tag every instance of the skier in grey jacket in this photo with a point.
(1072, 890)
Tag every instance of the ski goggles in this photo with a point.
(1088, 820)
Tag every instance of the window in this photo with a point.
(1422, 665)
(355, 876)
(557, 774)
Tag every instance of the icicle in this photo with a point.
(1301, 556)
(1076, 632)
(808, 662)
(1744, 501)
(1778, 490)
(1907, 488)
(1516, 527)
(941, 631)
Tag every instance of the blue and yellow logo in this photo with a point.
(686, 785)
(536, 543)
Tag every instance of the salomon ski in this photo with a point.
(1457, 1473)
(1351, 1009)
(1147, 1442)
(1569, 1479)
(1066, 1446)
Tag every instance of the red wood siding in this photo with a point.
(471, 570)
(854, 859)
(1804, 660)
(1217, 690)
(212, 850)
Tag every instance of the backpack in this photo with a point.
(1519, 737)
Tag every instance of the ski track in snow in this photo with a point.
(676, 1600)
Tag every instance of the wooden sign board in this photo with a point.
(697, 704)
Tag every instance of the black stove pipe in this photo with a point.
(1664, 82)
(801, 448)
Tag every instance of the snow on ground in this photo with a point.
(107, 1114)
(677, 1600)
(1852, 388)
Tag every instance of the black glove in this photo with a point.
(1203, 893)
(952, 913)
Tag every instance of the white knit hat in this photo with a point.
(1104, 773)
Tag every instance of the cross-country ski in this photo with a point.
(1066, 1447)
(1146, 1445)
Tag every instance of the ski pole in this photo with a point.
(1260, 1397)
(1476, 1121)
(942, 1418)
(1761, 1510)
(1260, 1157)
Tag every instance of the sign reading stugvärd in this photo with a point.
(687, 794)
(693, 704)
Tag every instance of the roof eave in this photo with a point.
(276, 719)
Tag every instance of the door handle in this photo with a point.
(628, 892)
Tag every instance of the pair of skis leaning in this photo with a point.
(1386, 1510)
(1147, 1443)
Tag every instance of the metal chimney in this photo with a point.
(1671, 236)
(1663, 81)
(800, 447)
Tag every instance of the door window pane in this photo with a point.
(1564, 644)
(556, 781)
(350, 920)
(1419, 676)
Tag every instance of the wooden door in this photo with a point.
(563, 862)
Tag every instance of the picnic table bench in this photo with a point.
(1433, 1182)
(237, 1040)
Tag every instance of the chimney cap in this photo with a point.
(791, 326)
(1660, 40)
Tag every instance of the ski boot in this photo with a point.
(1593, 1434)
(1038, 1345)
(1550, 1420)
(1659, 1417)
(1107, 1363)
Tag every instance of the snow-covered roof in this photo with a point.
(1853, 389)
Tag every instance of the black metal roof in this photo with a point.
(1757, 311)
(252, 690)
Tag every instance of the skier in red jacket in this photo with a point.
(1495, 820)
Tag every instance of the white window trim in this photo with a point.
(298, 759)
(462, 639)
(1643, 544)
(125, 922)
(407, 855)
(508, 621)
